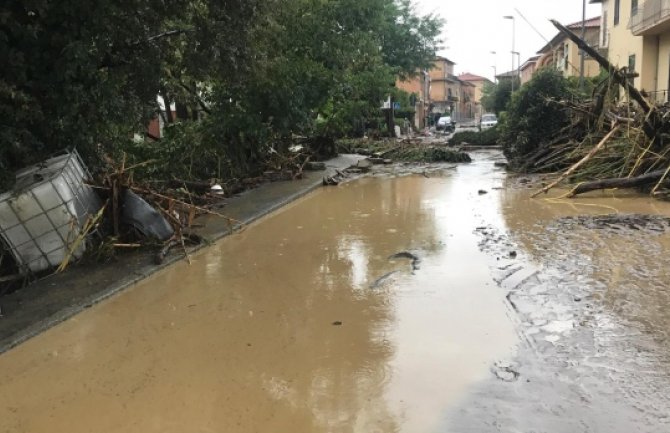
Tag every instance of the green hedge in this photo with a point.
(487, 137)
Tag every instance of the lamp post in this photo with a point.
(510, 17)
(518, 63)
(495, 70)
(581, 52)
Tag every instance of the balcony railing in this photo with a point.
(649, 15)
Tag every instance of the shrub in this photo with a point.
(533, 117)
(487, 137)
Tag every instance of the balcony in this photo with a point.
(652, 18)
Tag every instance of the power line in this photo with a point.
(531, 25)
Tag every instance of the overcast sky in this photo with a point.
(474, 28)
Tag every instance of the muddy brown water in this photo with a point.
(286, 326)
(519, 315)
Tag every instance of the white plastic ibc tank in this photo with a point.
(43, 215)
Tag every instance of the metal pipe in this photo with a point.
(581, 52)
(511, 17)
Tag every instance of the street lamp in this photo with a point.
(518, 62)
(581, 52)
(495, 62)
(510, 17)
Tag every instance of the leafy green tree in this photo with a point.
(496, 96)
(533, 117)
(86, 75)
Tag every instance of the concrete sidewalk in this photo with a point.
(51, 300)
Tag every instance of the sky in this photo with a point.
(475, 28)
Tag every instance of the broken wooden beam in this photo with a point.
(626, 182)
(620, 77)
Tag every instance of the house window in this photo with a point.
(617, 7)
(633, 8)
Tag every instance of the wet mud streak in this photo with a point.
(589, 289)
(383, 279)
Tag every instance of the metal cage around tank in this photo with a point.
(42, 216)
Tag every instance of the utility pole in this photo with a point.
(581, 52)
(511, 17)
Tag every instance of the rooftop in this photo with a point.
(437, 58)
(471, 77)
(591, 23)
(509, 74)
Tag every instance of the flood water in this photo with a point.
(301, 323)
(517, 315)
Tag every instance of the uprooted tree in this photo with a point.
(617, 139)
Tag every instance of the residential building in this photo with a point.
(563, 54)
(419, 87)
(438, 92)
(478, 82)
(527, 70)
(467, 108)
(637, 36)
(506, 76)
(445, 89)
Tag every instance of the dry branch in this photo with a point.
(578, 164)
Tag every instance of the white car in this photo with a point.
(488, 121)
(445, 124)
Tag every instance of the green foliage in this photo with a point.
(245, 76)
(487, 137)
(495, 97)
(533, 117)
(87, 75)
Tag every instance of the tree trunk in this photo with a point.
(627, 182)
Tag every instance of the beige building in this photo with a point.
(419, 87)
(445, 88)
(474, 110)
(564, 55)
(439, 92)
(528, 68)
(637, 35)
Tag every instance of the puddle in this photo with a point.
(304, 322)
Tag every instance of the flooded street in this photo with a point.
(444, 302)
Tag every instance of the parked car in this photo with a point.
(445, 124)
(488, 120)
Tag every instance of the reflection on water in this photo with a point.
(278, 328)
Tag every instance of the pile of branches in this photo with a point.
(178, 202)
(608, 144)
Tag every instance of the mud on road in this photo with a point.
(589, 283)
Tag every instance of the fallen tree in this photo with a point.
(617, 139)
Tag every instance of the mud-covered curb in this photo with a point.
(56, 298)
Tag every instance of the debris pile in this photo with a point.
(405, 150)
(609, 144)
